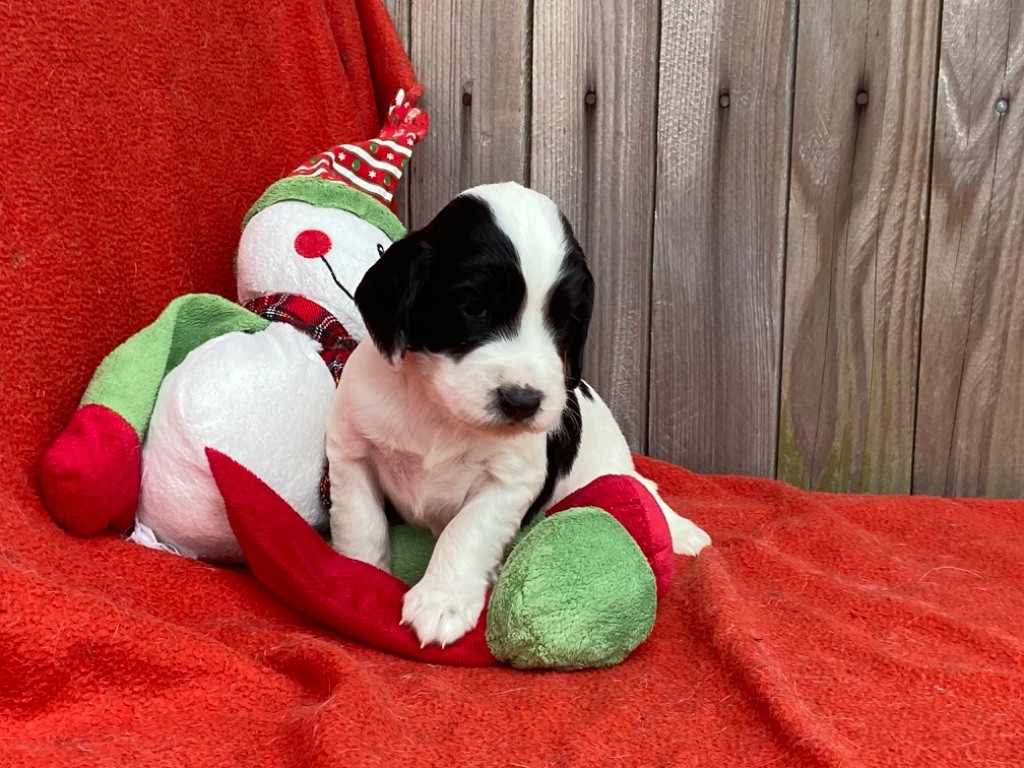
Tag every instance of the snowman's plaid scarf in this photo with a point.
(336, 344)
(313, 320)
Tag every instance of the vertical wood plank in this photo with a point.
(723, 138)
(472, 57)
(595, 157)
(400, 12)
(862, 129)
(970, 434)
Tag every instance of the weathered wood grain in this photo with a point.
(970, 424)
(594, 103)
(400, 12)
(723, 138)
(862, 129)
(472, 57)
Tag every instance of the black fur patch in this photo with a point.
(448, 288)
(570, 305)
(563, 446)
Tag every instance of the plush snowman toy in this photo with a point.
(253, 381)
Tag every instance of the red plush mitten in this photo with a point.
(91, 475)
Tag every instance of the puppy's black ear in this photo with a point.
(576, 292)
(388, 291)
(579, 327)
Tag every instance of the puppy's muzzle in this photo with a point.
(517, 403)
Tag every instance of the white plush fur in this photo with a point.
(260, 398)
(267, 262)
(219, 397)
(418, 432)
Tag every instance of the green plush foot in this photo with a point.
(576, 592)
(411, 549)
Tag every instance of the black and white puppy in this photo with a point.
(466, 411)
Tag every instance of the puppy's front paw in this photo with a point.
(687, 538)
(442, 611)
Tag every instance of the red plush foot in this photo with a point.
(91, 474)
(625, 499)
(293, 562)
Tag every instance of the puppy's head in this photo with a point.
(490, 304)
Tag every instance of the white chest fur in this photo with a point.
(427, 466)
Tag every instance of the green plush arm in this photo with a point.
(129, 378)
(90, 477)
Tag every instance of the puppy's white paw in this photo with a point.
(442, 611)
(687, 538)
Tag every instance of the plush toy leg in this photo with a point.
(300, 568)
(90, 476)
(576, 593)
(629, 502)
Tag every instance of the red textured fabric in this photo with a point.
(92, 472)
(633, 506)
(818, 631)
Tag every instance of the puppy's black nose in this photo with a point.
(519, 403)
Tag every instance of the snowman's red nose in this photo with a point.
(312, 244)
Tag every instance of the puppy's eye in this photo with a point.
(474, 310)
(380, 250)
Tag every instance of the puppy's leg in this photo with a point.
(359, 527)
(447, 601)
(687, 538)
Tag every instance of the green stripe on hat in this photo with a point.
(330, 194)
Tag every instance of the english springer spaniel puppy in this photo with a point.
(466, 411)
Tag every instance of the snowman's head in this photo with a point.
(315, 251)
(315, 232)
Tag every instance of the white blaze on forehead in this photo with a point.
(527, 355)
(533, 224)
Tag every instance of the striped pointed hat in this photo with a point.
(360, 178)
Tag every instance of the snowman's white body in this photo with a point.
(260, 398)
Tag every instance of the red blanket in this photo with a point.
(819, 631)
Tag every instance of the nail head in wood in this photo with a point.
(590, 99)
(1003, 106)
(467, 99)
(724, 101)
(862, 99)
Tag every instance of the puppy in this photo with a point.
(466, 411)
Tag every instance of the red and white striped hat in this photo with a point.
(359, 178)
(375, 166)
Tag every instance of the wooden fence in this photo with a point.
(805, 219)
